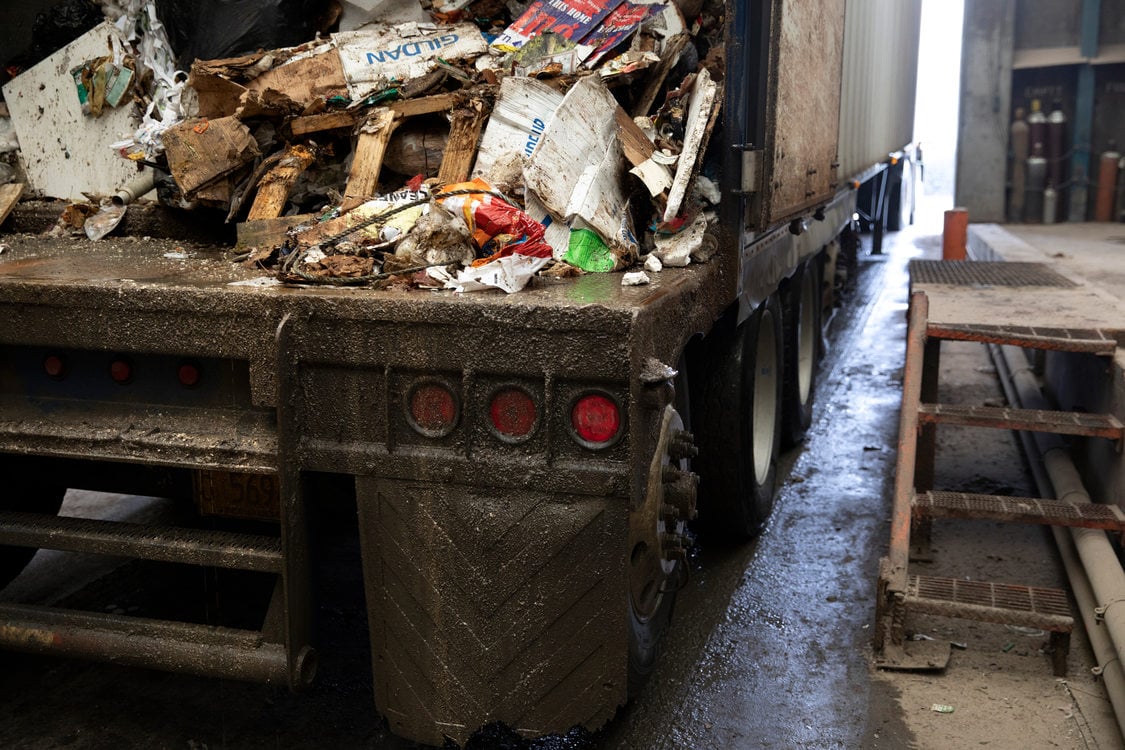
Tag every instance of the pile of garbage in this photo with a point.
(463, 144)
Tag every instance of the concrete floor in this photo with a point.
(770, 644)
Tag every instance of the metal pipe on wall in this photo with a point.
(1093, 569)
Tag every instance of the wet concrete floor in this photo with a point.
(770, 643)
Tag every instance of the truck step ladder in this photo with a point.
(916, 502)
(279, 652)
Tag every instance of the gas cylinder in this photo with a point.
(1107, 183)
(1037, 125)
(1036, 184)
(1056, 145)
(1021, 149)
(1050, 204)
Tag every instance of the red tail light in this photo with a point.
(121, 370)
(188, 374)
(513, 414)
(596, 419)
(432, 409)
(54, 365)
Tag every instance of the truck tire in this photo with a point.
(740, 429)
(26, 494)
(802, 334)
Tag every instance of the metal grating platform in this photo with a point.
(985, 273)
(1090, 340)
(1032, 420)
(1019, 509)
(1000, 603)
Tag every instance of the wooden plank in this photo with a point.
(369, 150)
(201, 151)
(269, 232)
(672, 51)
(278, 183)
(636, 145)
(464, 135)
(9, 196)
(426, 105)
(322, 122)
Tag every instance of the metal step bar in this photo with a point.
(1003, 604)
(1092, 341)
(167, 544)
(1019, 510)
(1031, 420)
(157, 644)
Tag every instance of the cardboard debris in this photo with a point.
(523, 109)
(376, 57)
(572, 19)
(621, 23)
(577, 169)
(201, 152)
(702, 112)
(65, 153)
(9, 196)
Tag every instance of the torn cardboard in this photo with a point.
(64, 153)
(577, 170)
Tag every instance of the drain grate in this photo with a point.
(985, 273)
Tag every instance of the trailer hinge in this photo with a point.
(751, 161)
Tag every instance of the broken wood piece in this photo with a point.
(672, 50)
(270, 232)
(427, 105)
(464, 134)
(200, 155)
(703, 110)
(636, 145)
(639, 148)
(10, 195)
(278, 183)
(374, 135)
(325, 121)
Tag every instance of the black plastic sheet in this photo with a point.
(211, 29)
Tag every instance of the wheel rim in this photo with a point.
(765, 397)
(657, 527)
(806, 339)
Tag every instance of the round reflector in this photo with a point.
(596, 419)
(121, 371)
(188, 374)
(54, 366)
(432, 409)
(513, 414)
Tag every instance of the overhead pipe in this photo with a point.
(1095, 574)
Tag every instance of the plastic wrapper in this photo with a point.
(499, 229)
(510, 273)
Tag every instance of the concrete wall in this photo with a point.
(986, 93)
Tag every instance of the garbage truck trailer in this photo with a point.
(525, 466)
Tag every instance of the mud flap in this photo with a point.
(493, 605)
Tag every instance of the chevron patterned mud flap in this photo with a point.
(493, 605)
